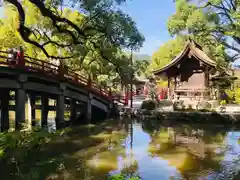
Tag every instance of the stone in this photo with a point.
(203, 105)
(178, 105)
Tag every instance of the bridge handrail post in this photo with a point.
(89, 84)
(76, 77)
(61, 69)
(110, 93)
(20, 58)
(42, 63)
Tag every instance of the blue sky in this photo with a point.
(151, 17)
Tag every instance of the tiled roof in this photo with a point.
(192, 47)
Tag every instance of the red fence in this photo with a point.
(59, 72)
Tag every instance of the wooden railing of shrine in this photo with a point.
(58, 72)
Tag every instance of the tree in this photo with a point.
(213, 23)
(140, 67)
(166, 53)
(101, 31)
(89, 42)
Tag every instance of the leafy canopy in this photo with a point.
(167, 52)
(88, 35)
(214, 23)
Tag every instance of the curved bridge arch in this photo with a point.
(37, 77)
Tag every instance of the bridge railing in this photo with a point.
(61, 71)
(36, 64)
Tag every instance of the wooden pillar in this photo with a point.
(73, 111)
(168, 93)
(175, 83)
(44, 110)
(218, 93)
(61, 69)
(89, 81)
(20, 108)
(29, 110)
(60, 106)
(5, 96)
(33, 110)
(110, 93)
(89, 108)
(110, 110)
(175, 86)
(60, 111)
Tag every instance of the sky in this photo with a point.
(151, 17)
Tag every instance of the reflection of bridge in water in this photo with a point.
(37, 81)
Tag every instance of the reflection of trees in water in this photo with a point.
(130, 168)
(149, 126)
(190, 148)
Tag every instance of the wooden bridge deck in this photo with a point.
(40, 78)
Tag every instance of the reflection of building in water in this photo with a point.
(190, 154)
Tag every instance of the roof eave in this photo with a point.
(173, 62)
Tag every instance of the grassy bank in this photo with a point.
(65, 154)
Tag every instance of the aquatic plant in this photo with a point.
(123, 177)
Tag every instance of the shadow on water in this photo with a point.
(146, 148)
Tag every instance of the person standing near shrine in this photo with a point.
(20, 57)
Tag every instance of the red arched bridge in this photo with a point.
(32, 79)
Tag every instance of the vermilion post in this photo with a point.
(20, 57)
(126, 98)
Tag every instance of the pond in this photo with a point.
(148, 148)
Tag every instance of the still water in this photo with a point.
(153, 150)
(148, 148)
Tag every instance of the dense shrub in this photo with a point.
(233, 96)
(149, 105)
(21, 150)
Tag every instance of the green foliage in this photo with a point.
(223, 103)
(107, 30)
(214, 25)
(140, 67)
(167, 52)
(123, 177)
(233, 95)
(230, 94)
(20, 148)
(237, 95)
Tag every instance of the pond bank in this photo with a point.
(193, 117)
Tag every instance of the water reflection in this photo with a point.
(150, 149)
(194, 149)
(153, 150)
